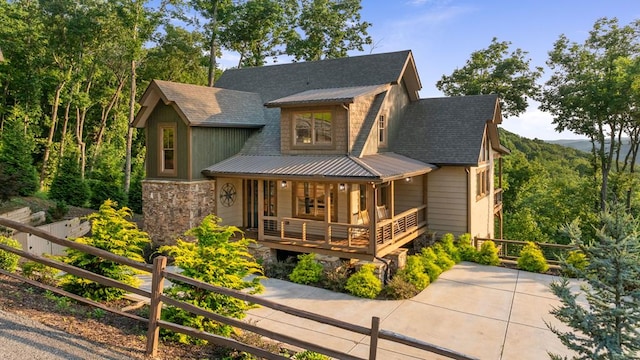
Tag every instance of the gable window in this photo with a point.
(313, 128)
(168, 150)
(382, 130)
(485, 156)
(311, 200)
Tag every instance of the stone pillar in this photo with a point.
(172, 207)
(398, 260)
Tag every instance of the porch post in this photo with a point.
(260, 209)
(327, 213)
(392, 210)
(372, 200)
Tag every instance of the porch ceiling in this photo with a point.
(378, 167)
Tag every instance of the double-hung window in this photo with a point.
(168, 150)
(313, 128)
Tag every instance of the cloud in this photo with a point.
(536, 123)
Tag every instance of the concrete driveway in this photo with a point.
(482, 311)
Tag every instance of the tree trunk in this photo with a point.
(64, 129)
(132, 108)
(212, 52)
(52, 131)
(105, 115)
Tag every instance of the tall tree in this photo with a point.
(211, 11)
(591, 92)
(607, 326)
(327, 29)
(16, 147)
(495, 70)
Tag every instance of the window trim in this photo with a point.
(162, 171)
(383, 130)
(483, 182)
(312, 144)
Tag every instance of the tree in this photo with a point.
(608, 325)
(327, 29)
(16, 161)
(591, 93)
(496, 71)
(211, 11)
(68, 185)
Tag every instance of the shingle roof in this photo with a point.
(216, 107)
(278, 81)
(445, 130)
(331, 95)
(375, 167)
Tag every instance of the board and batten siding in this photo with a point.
(212, 145)
(165, 114)
(408, 195)
(230, 215)
(447, 200)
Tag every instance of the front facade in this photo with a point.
(337, 157)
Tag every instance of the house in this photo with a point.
(338, 157)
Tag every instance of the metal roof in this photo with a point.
(330, 95)
(381, 167)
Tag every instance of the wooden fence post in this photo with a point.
(373, 344)
(157, 285)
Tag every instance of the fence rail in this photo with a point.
(159, 274)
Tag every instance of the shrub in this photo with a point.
(110, 231)
(40, 272)
(100, 191)
(8, 260)
(428, 258)
(279, 269)
(466, 250)
(58, 211)
(308, 270)
(214, 259)
(67, 184)
(17, 172)
(335, 278)
(414, 273)
(443, 260)
(448, 245)
(488, 254)
(532, 259)
(364, 283)
(398, 288)
(310, 355)
(574, 263)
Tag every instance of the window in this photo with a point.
(168, 150)
(313, 128)
(382, 130)
(310, 200)
(483, 177)
(485, 156)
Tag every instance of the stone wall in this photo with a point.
(172, 207)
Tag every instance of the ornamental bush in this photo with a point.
(364, 283)
(428, 258)
(414, 273)
(8, 260)
(216, 259)
(308, 270)
(398, 288)
(466, 250)
(443, 260)
(448, 244)
(110, 231)
(532, 259)
(488, 254)
(575, 262)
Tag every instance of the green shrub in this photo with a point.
(279, 269)
(448, 244)
(308, 270)
(216, 259)
(18, 175)
(443, 260)
(40, 272)
(399, 289)
(532, 259)
(9, 261)
(67, 185)
(100, 191)
(364, 283)
(110, 231)
(57, 212)
(310, 355)
(414, 273)
(429, 258)
(488, 254)
(466, 250)
(574, 263)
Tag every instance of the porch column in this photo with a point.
(372, 200)
(327, 213)
(260, 209)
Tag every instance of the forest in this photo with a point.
(72, 71)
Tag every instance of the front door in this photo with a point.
(251, 203)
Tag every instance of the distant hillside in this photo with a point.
(543, 150)
(585, 145)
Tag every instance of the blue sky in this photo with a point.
(443, 33)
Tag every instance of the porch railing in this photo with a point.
(389, 230)
(497, 199)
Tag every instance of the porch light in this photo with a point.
(342, 187)
(283, 184)
(408, 180)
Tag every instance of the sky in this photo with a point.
(442, 34)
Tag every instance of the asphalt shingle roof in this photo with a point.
(206, 106)
(332, 95)
(445, 131)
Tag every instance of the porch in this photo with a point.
(343, 239)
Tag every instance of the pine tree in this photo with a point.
(17, 170)
(68, 185)
(607, 326)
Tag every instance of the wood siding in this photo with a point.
(396, 101)
(165, 114)
(212, 145)
(338, 127)
(481, 209)
(230, 215)
(408, 195)
(447, 200)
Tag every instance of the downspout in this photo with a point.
(469, 202)
(346, 107)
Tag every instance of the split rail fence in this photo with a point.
(157, 299)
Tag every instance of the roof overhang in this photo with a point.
(411, 78)
(328, 96)
(149, 100)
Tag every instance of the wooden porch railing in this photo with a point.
(389, 230)
(159, 273)
(497, 199)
